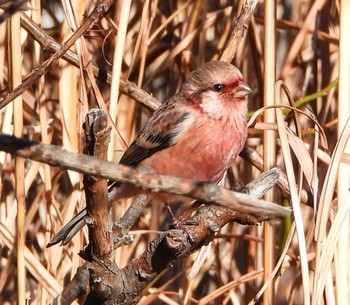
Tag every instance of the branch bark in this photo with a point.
(123, 286)
(206, 192)
(100, 280)
(77, 288)
(97, 136)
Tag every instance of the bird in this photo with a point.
(195, 134)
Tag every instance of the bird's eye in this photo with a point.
(218, 87)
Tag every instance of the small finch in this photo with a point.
(195, 134)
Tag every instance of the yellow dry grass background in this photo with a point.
(155, 44)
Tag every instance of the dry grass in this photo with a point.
(155, 44)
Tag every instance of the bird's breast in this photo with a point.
(203, 153)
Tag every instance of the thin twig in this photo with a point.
(126, 87)
(97, 12)
(241, 25)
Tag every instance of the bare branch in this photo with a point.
(207, 192)
(97, 136)
(76, 288)
(240, 27)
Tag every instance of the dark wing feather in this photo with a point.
(158, 134)
(137, 152)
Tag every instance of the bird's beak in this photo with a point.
(242, 90)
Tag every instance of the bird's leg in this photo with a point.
(185, 218)
(174, 220)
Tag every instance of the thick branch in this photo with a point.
(77, 288)
(107, 283)
(123, 286)
(97, 204)
(207, 192)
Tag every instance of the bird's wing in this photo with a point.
(161, 131)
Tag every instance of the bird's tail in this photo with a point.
(115, 192)
(69, 230)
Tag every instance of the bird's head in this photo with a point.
(217, 87)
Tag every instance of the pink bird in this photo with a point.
(195, 134)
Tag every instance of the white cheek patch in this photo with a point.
(212, 105)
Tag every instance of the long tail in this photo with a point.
(69, 230)
(115, 192)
